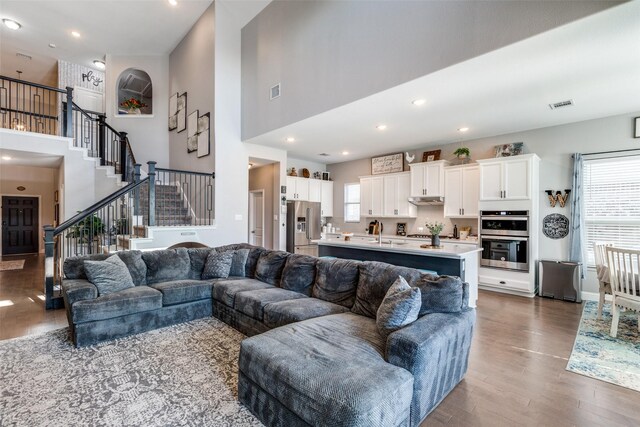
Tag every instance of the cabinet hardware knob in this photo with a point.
(502, 282)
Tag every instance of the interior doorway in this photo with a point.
(256, 217)
(19, 225)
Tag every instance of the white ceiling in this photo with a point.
(26, 158)
(594, 61)
(132, 27)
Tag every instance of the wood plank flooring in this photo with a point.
(516, 370)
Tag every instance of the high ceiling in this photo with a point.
(594, 61)
(124, 27)
(27, 158)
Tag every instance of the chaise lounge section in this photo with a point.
(314, 355)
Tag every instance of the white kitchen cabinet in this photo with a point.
(461, 191)
(371, 196)
(397, 189)
(297, 188)
(508, 178)
(315, 190)
(427, 179)
(326, 198)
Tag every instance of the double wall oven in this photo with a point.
(504, 236)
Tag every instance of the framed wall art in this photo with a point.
(431, 156)
(181, 115)
(192, 132)
(387, 164)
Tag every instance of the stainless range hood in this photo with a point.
(427, 200)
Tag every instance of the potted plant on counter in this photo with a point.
(435, 228)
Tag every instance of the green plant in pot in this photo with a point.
(435, 228)
(463, 154)
(90, 228)
(122, 226)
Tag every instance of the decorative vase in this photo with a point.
(435, 240)
(134, 111)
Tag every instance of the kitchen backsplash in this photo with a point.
(425, 214)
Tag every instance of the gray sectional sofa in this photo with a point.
(314, 355)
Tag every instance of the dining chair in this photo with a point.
(602, 271)
(625, 285)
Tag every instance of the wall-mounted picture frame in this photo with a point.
(431, 156)
(636, 132)
(508, 150)
(204, 134)
(173, 111)
(387, 164)
(192, 131)
(181, 115)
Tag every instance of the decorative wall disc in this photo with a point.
(555, 226)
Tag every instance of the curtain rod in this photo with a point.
(611, 152)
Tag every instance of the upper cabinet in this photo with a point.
(397, 189)
(508, 178)
(326, 198)
(371, 196)
(315, 190)
(427, 179)
(298, 188)
(461, 191)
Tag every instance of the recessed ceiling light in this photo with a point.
(11, 24)
(173, 2)
(75, 34)
(6, 157)
(345, 153)
(463, 129)
(99, 64)
(381, 127)
(419, 102)
(52, 45)
(290, 139)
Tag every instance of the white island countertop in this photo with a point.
(450, 250)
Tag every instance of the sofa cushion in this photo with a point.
(270, 265)
(442, 294)
(252, 260)
(332, 369)
(374, 281)
(218, 265)
(282, 313)
(336, 281)
(73, 267)
(197, 260)
(128, 301)
(299, 273)
(238, 262)
(252, 303)
(399, 307)
(167, 265)
(108, 276)
(78, 290)
(225, 290)
(180, 291)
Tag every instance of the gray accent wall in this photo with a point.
(191, 70)
(328, 53)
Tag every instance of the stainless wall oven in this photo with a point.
(504, 237)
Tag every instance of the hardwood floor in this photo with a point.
(21, 300)
(516, 371)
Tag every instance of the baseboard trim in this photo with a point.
(593, 296)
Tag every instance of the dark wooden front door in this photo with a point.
(19, 225)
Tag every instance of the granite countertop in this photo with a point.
(406, 246)
(472, 240)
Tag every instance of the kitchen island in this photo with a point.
(452, 260)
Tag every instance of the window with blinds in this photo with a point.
(352, 202)
(612, 202)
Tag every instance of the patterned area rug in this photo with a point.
(597, 355)
(176, 376)
(12, 265)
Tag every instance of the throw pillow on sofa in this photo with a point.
(441, 294)
(399, 308)
(109, 276)
(270, 266)
(299, 273)
(167, 265)
(238, 262)
(197, 260)
(218, 265)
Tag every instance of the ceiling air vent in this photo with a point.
(324, 154)
(561, 104)
(274, 92)
(24, 56)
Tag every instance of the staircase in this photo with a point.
(171, 208)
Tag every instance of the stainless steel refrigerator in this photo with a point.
(303, 226)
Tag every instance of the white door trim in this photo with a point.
(252, 195)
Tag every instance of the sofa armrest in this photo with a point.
(435, 349)
(75, 290)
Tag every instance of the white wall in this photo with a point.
(38, 182)
(147, 133)
(554, 145)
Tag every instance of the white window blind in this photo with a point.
(612, 202)
(352, 202)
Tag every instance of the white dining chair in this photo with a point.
(625, 286)
(602, 271)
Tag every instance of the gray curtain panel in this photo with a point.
(576, 223)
